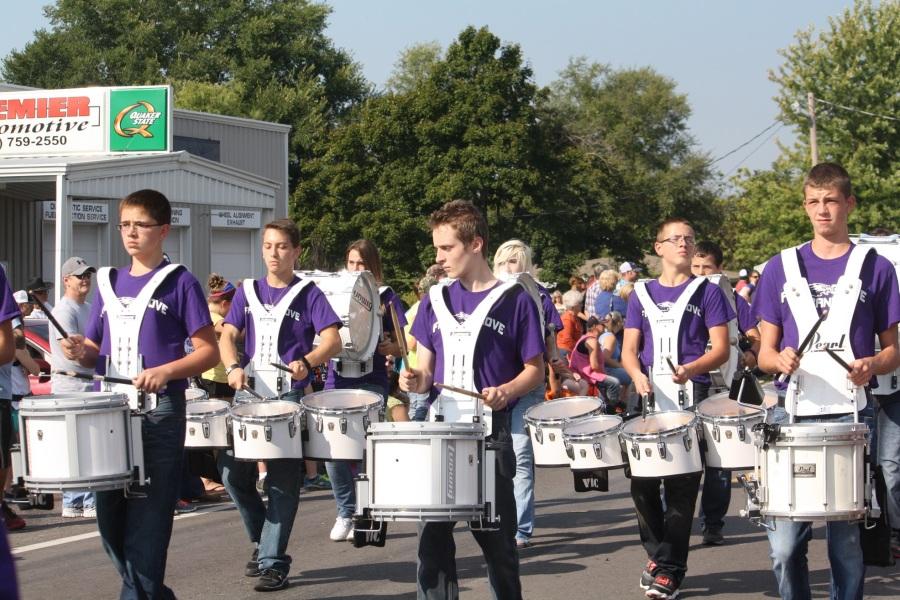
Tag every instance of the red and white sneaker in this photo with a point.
(664, 587)
(647, 575)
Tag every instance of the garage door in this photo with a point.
(232, 254)
(87, 242)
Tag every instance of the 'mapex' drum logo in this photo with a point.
(136, 119)
(366, 303)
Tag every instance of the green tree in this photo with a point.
(853, 69)
(265, 59)
(413, 67)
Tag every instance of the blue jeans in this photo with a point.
(789, 542)
(888, 452)
(341, 474)
(436, 577)
(418, 406)
(78, 499)
(269, 526)
(135, 531)
(611, 389)
(523, 482)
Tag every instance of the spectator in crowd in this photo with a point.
(593, 290)
(577, 283)
(418, 403)
(614, 323)
(625, 293)
(557, 298)
(572, 329)
(587, 361)
(746, 292)
(607, 300)
(743, 280)
(221, 293)
(40, 289)
(628, 273)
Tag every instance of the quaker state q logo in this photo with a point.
(139, 119)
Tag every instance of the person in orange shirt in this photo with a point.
(572, 329)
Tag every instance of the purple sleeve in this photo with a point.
(94, 329)
(322, 315)
(767, 297)
(237, 314)
(716, 308)
(530, 335)
(8, 307)
(194, 309)
(887, 296)
(421, 327)
(746, 322)
(393, 299)
(635, 316)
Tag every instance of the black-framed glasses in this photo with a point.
(677, 239)
(139, 225)
(84, 276)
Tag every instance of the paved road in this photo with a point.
(586, 547)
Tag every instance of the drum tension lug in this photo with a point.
(716, 435)
(242, 432)
(661, 447)
(570, 452)
(206, 429)
(742, 432)
(598, 451)
(344, 425)
(319, 424)
(635, 451)
(292, 428)
(688, 442)
(268, 431)
(538, 435)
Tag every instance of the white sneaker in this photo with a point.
(72, 512)
(89, 513)
(342, 530)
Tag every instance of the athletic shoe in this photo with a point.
(713, 537)
(183, 506)
(72, 512)
(319, 482)
(271, 580)
(663, 587)
(647, 575)
(522, 543)
(342, 530)
(89, 513)
(252, 569)
(13, 521)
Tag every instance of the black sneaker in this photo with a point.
(647, 575)
(713, 537)
(664, 587)
(252, 569)
(271, 581)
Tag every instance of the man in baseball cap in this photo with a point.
(76, 266)
(628, 274)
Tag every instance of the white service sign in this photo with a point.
(181, 216)
(82, 212)
(240, 219)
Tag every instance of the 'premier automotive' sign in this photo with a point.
(85, 121)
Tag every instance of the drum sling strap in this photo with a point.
(887, 246)
(732, 365)
(819, 387)
(268, 380)
(664, 328)
(125, 359)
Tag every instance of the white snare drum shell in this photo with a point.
(545, 426)
(336, 423)
(593, 443)
(267, 430)
(665, 444)
(206, 424)
(727, 431)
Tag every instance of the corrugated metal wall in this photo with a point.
(20, 232)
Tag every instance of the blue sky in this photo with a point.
(718, 52)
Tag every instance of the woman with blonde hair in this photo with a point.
(607, 299)
(514, 256)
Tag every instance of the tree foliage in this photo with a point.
(855, 63)
(413, 67)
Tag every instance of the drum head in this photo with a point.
(563, 409)
(354, 297)
(592, 425)
(658, 422)
(340, 400)
(725, 407)
(201, 408)
(73, 401)
(193, 394)
(264, 410)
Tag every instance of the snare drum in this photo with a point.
(664, 444)
(426, 471)
(813, 472)
(336, 421)
(545, 424)
(727, 429)
(192, 394)
(76, 441)
(207, 424)
(267, 430)
(592, 443)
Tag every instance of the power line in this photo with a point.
(763, 143)
(856, 110)
(727, 154)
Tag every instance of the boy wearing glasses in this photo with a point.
(669, 322)
(72, 312)
(137, 326)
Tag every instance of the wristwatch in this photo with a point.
(305, 362)
(231, 368)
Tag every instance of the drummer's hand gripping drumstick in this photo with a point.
(804, 344)
(849, 369)
(94, 377)
(50, 316)
(458, 390)
(398, 333)
(282, 367)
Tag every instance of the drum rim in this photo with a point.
(223, 411)
(692, 424)
(736, 418)
(237, 418)
(561, 420)
(103, 401)
(376, 400)
(582, 437)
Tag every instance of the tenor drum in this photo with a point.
(76, 441)
(267, 430)
(592, 443)
(813, 472)
(425, 471)
(664, 444)
(545, 426)
(727, 429)
(193, 394)
(207, 424)
(336, 422)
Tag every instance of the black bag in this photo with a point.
(876, 542)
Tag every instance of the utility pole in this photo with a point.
(813, 142)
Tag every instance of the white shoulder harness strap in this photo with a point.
(125, 321)
(819, 386)
(664, 327)
(268, 380)
(459, 342)
(887, 246)
(733, 362)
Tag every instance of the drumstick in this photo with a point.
(458, 390)
(804, 344)
(252, 392)
(282, 367)
(50, 316)
(838, 359)
(398, 333)
(94, 377)
(671, 366)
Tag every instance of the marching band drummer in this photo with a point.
(507, 362)
(670, 320)
(9, 310)
(858, 289)
(292, 311)
(146, 311)
(362, 255)
(514, 256)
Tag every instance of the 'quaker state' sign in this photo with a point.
(86, 121)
